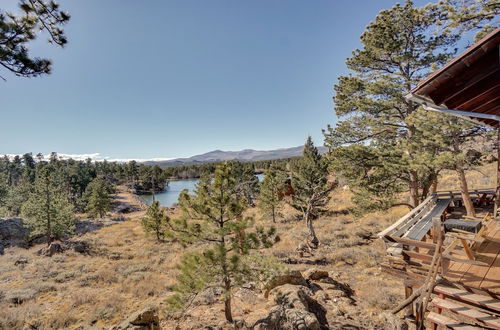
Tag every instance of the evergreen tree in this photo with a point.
(17, 31)
(47, 209)
(399, 49)
(99, 197)
(448, 146)
(480, 16)
(214, 216)
(272, 190)
(311, 187)
(247, 182)
(4, 193)
(155, 221)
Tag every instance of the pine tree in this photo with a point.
(99, 197)
(448, 146)
(155, 221)
(272, 191)
(247, 182)
(17, 31)
(214, 216)
(480, 16)
(311, 187)
(47, 209)
(399, 49)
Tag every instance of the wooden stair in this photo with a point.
(485, 302)
(479, 309)
(448, 322)
(469, 312)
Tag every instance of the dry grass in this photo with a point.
(126, 271)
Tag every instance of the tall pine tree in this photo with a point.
(398, 50)
(311, 187)
(272, 190)
(214, 216)
(47, 209)
(99, 200)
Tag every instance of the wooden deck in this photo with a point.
(485, 278)
(437, 237)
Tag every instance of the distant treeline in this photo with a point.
(18, 175)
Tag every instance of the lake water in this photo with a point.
(170, 195)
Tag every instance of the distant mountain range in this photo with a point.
(246, 155)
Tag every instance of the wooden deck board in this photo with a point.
(467, 311)
(475, 274)
(491, 282)
(480, 277)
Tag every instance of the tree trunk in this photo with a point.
(227, 301)
(414, 188)
(273, 212)
(469, 207)
(459, 167)
(434, 184)
(313, 241)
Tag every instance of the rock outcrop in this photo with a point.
(308, 300)
(143, 320)
(50, 250)
(13, 232)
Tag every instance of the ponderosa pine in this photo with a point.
(311, 187)
(47, 210)
(214, 216)
(155, 221)
(272, 189)
(99, 200)
(398, 50)
(18, 31)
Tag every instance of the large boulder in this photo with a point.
(143, 320)
(315, 274)
(295, 309)
(294, 277)
(13, 232)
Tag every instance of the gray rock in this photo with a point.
(13, 232)
(144, 320)
(296, 309)
(315, 274)
(50, 250)
(294, 277)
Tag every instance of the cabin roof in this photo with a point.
(470, 83)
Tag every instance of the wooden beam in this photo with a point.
(416, 255)
(467, 249)
(405, 218)
(406, 241)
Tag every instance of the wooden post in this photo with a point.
(408, 293)
(436, 229)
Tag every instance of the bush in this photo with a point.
(20, 296)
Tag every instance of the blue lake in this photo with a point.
(170, 195)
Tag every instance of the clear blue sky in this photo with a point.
(144, 79)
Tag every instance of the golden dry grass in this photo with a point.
(127, 271)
